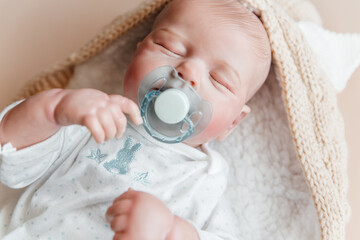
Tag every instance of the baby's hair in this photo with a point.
(235, 14)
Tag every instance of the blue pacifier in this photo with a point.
(171, 109)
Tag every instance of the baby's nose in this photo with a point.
(192, 82)
(189, 73)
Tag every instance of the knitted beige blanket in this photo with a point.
(306, 100)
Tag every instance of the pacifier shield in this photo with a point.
(171, 109)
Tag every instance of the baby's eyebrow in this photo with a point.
(176, 38)
(172, 33)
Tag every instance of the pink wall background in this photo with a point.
(37, 33)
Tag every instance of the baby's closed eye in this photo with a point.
(218, 81)
(169, 42)
(169, 49)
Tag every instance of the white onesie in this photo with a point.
(71, 181)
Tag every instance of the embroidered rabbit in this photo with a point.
(124, 157)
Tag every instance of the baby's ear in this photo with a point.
(243, 113)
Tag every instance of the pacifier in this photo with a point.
(171, 109)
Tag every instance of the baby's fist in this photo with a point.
(102, 114)
(139, 215)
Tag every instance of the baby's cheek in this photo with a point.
(216, 126)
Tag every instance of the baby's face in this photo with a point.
(215, 58)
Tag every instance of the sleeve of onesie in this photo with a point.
(20, 168)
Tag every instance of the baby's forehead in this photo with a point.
(219, 14)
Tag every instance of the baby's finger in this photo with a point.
(119, 119)
(119, 207)
(107, 122)
(126, 195)
(128, 107)
(119, 223)
(121, 236)
(92, 123)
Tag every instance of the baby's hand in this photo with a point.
(139, 215)
(101, 113)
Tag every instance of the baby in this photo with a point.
(81, 160)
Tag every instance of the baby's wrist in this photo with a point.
(171, 235)
(55, 97)
(182, 230)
